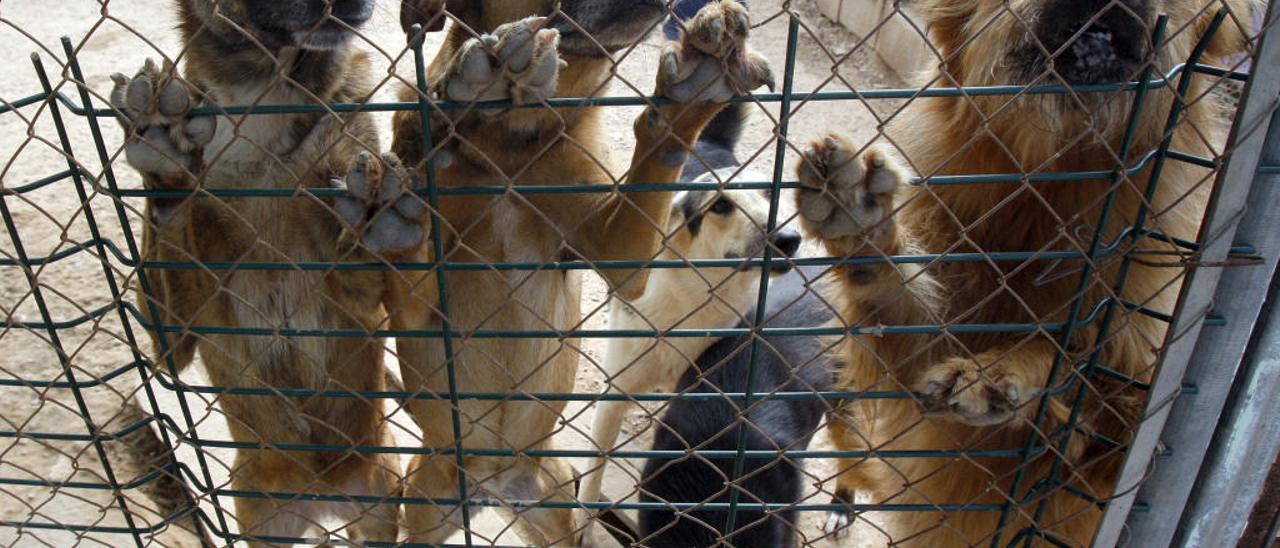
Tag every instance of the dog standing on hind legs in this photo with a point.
(267, 52)
(982, 391)
(525, 56)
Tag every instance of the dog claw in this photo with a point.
(837, 524)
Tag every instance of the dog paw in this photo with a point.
(838, 521)
(428, 13)
(961, 389)
(381, 208)
(712, 62)
(847, 195)
(163, 139)
(518, 61)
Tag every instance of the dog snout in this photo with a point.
(786, 241)
(1095, 41)
(298, 15)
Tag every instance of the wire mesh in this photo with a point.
(465, 373)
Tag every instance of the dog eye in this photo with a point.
(721, 206)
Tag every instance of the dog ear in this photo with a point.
(1233, 35)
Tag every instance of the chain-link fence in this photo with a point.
(567, 273)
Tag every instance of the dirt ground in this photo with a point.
(117, 36)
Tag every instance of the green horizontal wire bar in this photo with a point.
(40, 261)
(724, 454)
(59, 436)
(96, 485)
(999, 256)
(534, 396)
(1192, 159)
(879, 330)
(9, 106)
(107, 529)
(628, 188)
(1269, 170)
(713, 506)
(97, 381)
(1210, 320)
(62, 325)
(40, 183)
(877, 94)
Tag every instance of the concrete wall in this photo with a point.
(896, 32)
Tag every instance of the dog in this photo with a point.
(702, 225)
(265, 52)
(526, 52)
(783, 364)
(982, 391)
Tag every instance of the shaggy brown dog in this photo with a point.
(982, 391)
(522, 56)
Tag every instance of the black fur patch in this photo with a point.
(691, 208)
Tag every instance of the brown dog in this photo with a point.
(264, 52)
(527, 53)
(981, 391)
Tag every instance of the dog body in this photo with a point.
(248, 52)
(982, 391)
(519, 58)
(784, 364)
(703, 225)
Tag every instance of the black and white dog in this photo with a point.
(784, 364)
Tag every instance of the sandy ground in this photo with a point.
(117, 36)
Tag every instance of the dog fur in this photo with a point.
(982, 391)
(784, 364)
(515, 56)
(242, 52)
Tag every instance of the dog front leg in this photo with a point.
(705, 70)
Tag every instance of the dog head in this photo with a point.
(598, 28)
(308, 24)
(1072, 42)
(727, 225)
(588, 28)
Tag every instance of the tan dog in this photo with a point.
(981, 391)
(265, 52)
(527, 59)
(703, 225)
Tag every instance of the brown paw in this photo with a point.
(382, 210)
(963, 390)
(846, 195)
(518, 61)
(155, 105)
(712, 62)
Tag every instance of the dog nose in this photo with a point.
(787, 241)
(1096, 41)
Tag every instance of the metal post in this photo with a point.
(1208, 362)
(1248, 435)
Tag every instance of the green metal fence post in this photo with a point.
(113, 189)
(442, 285)
(793, 31)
